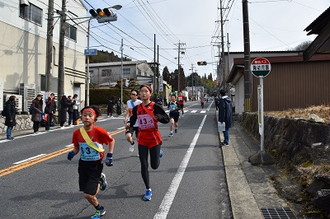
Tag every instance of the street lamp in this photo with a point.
(117, 7)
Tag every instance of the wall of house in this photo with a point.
(23, 48)
(295, 85)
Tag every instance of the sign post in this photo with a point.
(260, 68)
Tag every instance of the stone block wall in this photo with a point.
(23, 122)
(301, 149)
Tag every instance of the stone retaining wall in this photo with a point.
(23, 122)
(302, 149)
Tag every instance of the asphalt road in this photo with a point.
(190, 182)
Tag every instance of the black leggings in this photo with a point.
(154, 161)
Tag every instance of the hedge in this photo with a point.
(102, 96)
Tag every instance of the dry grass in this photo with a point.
(322, 111)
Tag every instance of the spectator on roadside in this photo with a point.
(10, 113)
(64, 104)
(76, 109)
(111, 103)
(118, 107)
(36, 109)
(70, 110)
(225, 115)
(50, 109)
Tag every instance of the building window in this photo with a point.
(31, 13)
(71, 32)
(126, 71)
(106, 72)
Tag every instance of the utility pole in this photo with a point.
(222, 47)
(121, 74)
(49, 46)
(192, 81)
(88, 79)
(248, 78)
(154, 66)
(179, 68)
(61, 71)
(157, 71)
(228, 62)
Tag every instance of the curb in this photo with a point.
(241, 198)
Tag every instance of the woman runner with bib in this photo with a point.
(148, 114)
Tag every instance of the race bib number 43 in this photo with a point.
(146, 121)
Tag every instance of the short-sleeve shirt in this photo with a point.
(181, 99)
(99, 136)
(130, 106)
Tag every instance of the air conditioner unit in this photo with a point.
(24, 2)
(19, 101)
(28, 92)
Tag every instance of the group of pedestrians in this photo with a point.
(68, 106)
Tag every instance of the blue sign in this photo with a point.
(90, 52)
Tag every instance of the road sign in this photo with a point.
(90, 52)
(260, 67)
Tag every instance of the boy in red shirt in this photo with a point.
(89, 141)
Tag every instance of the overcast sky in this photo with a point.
(275, 25)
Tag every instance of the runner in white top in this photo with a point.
(133, 102)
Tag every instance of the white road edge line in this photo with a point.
(22, 161)
(171, 192)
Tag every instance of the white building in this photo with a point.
(23, 25)
(108, 73)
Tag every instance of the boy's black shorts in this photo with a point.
(132, 130)
(89, 176)
(175, 116)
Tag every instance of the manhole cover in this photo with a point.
(277, 213)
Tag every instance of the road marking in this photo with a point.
(193, 111)
(208, 108)
(203, 111)
(31, 158)
(38, 159)
(172, 190)
(120, 128)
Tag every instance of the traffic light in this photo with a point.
(105, 15)
(201, 63)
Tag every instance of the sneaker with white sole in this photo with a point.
(170, 135)
(98, 213)
(147, 196)
(103, 182)
(131, 148)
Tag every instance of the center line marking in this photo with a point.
(172, 190)
(31, 158)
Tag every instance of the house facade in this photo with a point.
(292, 82)
(23, 25)
(106, 74)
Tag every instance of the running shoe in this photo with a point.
(131, 148)
(161, 153)
(98, 213)
(147, 196)
(176, 130)
(103, 182)
(170, 135)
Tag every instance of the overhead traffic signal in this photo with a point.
(201, 63)
(105, 15)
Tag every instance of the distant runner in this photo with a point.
(181, 99)
(173, 106)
